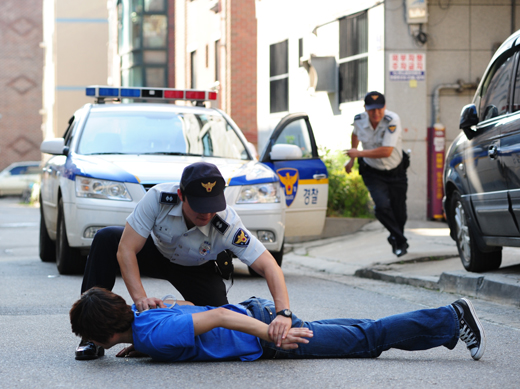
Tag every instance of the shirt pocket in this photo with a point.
(163, 234)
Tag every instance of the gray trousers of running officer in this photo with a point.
(199, 284)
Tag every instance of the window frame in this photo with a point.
(279, 71)
(359, 55)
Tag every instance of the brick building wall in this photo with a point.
(243, 48)
(21, 67)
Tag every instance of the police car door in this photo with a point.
(293, 155)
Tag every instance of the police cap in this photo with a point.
(203, 186)
(374, 100)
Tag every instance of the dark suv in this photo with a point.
(482, 170)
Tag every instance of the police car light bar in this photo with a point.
(109, 92)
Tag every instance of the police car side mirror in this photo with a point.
(53, 146)
(469, 119)
(285, 151)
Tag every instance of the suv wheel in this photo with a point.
(47, 246)
(68, 259)
(473, 259)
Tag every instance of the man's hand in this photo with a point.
(295, 336)
(353, 153)
(130, 352)
(349, 166)
(279, 328)
(147, 303)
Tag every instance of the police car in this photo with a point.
(113, 151)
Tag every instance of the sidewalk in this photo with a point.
(432, 261)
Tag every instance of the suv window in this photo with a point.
(516, 97)
(495, 88)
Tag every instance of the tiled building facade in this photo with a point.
(21, 66)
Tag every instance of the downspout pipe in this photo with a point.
(459, 87)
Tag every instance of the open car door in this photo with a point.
(293, 155)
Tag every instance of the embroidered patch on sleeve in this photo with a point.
(392, 128)
(168, 198)
(241, 239)
(220, 224)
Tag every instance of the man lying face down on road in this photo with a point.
(184, 332)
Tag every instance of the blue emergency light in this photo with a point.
(103, 92)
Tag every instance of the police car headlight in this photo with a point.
(261, 193)
(101, 189)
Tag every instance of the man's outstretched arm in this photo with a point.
(222, 317)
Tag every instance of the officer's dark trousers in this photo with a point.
(199, 284)
(388, 190)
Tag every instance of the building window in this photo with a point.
(300, 51)
(353, 57)
(143, 42)
(217, 59)
(279, 77)
(193, 72)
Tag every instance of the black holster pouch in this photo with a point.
(224, 264)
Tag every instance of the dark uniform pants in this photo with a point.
(199, 284)
(388, 190)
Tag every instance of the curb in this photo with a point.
(422, 282)
(473, 285)
(479, 286)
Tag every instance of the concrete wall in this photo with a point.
(21, 61)
(462, 35)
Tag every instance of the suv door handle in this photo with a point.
(493, 151)
(319, 176)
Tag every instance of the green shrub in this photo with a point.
(348, 195)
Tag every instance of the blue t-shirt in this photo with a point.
(167, 334)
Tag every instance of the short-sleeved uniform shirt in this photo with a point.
(388, 133)
(167, 334)
(159, 213)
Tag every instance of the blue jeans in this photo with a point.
(364, 338)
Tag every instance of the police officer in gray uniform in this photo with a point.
(382, 164)
(177, 233)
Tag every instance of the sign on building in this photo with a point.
(407, 66)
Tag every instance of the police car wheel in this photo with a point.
(68, 259)
(47, 246)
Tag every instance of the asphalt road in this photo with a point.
(37, 346)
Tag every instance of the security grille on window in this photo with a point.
(279, 77)
(353, 57)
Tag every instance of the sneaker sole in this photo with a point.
(482, 347)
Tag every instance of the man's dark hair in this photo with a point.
(99, 314)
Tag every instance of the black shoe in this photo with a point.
(401, 250)
(471, 331)
(392, 241)
(88, 350)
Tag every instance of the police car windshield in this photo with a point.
(163, 133)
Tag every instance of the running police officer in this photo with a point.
(176, 234)
(382, 164)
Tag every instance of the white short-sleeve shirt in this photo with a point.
(389, 133)
(159, 213)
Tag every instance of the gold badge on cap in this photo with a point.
(374, 97)
(209, 186)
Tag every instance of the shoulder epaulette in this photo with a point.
(220, 224)
(169, 198)
(388, 118)
(357, 117)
